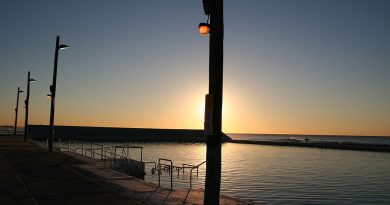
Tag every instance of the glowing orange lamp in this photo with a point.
(204, 29)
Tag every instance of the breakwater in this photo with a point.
(112, 134)
(322, 145)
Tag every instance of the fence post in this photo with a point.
(141, 154)
(102, 153)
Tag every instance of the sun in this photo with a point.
(196, 104)
(200, 110)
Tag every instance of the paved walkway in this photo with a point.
(31, 175)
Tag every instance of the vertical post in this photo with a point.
(158, 172)
(53, 95)
(114, 156)
(170, 172)
(59, 143)
(191, 178)
(27, 105)
(213, 153)
(16, 111)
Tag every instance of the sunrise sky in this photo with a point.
(307, 67)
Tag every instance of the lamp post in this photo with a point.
(16, 110)
(27, 102)
(213, 111)
(53, 92)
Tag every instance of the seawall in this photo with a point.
(322, 145)
(112, 134)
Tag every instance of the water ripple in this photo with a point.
(286, 175)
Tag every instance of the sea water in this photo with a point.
(280, 175)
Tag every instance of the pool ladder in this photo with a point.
(169, 168)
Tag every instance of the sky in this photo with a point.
(290, 67)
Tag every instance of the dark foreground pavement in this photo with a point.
(31, 175)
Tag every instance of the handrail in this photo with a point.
(130, 147)
(75, 149)
(159, 164)
(112, 156)
(186, 166)
(123, 147)
(197, 168)
(92, 149)
(109, 153)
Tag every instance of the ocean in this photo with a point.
(313, 138)
(282, 175)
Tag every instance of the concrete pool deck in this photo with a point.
(31, 175)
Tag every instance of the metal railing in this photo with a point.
(126, 150)
(197, 172)
(170, 170)
(112, 153)
(105, 152)
(92, 150)
(186, 166)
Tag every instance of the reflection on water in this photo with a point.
(283, 175)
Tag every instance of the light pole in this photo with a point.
(53, 92)
(213, 111)
(16, 110)
(27, 102)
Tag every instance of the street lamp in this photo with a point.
(204, 28)
(27, 102)
(53, 92)
(213, 109)
(16, 110)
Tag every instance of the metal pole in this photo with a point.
(16, 111)
(53, 95)
(170, 172)
(27, 105)
(102, 153)
(158, 172)
(213, 153)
